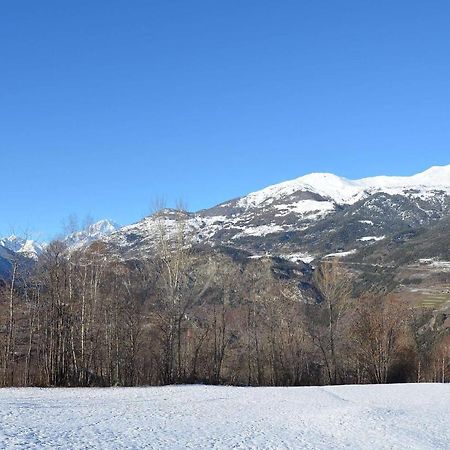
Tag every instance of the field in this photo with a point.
(387, 416)
(436, 300)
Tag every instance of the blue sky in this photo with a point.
(108, 105)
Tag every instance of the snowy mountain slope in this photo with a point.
(27, 250)
(93, 232)
(298, 204)
(26, 247)
(25, 257)
(344, 191)
(302, 219)
(20, 250)
(312, 216)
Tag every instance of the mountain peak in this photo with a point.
(436, 175)
(103, 226)
(341, 190)
(91, 233)
(26, 247)
(328, 185)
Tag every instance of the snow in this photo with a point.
(327, 185)
(201, 417)
(23, 246)
(341, 254)
(371, 238)
(344, 191)
(293, 205)
(91, 233)
(295, 257)
(307, 207)
(33, 249)
(437, 177)
(261, 230)
(435, 263)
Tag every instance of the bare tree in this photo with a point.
(379, 329)
(323, 320)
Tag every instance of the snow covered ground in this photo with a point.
(392, 416)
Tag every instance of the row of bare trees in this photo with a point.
(185, 316)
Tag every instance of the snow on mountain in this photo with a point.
(146, 234)
(314, 215)
(327, 185)
(25, 247)
(435, 177)
(344, 191)
(14, 248)
(371, 238)
(91, 233)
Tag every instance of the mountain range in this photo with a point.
(390, 228)
(309, 218)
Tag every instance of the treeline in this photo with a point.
(82, 319)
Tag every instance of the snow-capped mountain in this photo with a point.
(25, 247)
(341, 190)
(303, 219)
(15, 245)
(14, 249)
(313, 215)
(383, 227)
(26, 250)
(91, 233)
(306, 218)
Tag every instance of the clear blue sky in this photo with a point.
(107, 105)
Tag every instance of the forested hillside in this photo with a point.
(189, 314)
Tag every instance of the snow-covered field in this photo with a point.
(392, 416)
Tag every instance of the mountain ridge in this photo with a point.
(293, 217)
(382, 228)
(314, 215)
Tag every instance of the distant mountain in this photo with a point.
(91, 233)
(25, 247)
(371, 223)
(14, 249)
(382, 228)
(27, 251)
(306, 218)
